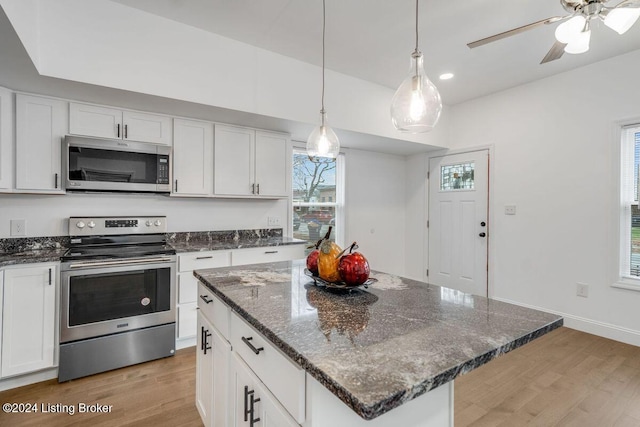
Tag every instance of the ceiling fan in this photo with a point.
(574, 34)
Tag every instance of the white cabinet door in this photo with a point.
(113, 123)
(145, 127)
(93, 120)
(272, 164)
(253, 401)
(212, 375)
(41, 123)
(28, 319)
(192, 158)
(234, 161)
(6, 139)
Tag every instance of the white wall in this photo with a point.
(108, 44)
(375, 208)
(46, 214)
(555, 160)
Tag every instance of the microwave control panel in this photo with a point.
(163, 169)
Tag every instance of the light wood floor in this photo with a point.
(159, 393)
(565, 378)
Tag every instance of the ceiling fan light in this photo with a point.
(416, 105)
(579, 44)
(621, 19)
(569, 30)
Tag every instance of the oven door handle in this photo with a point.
(120, 262)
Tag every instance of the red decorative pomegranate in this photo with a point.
(354, 267)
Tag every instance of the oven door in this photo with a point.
(102, 298)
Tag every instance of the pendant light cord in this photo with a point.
(324, 19)
(416, 26)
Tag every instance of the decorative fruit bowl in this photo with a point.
(319, 281)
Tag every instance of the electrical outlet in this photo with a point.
(18, 227)
(510, 210)
(582, 290)
(273, 221)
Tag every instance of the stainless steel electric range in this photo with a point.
(117, 301)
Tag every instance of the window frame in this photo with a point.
(339, 232)
(626, 197)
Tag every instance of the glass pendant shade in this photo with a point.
(416, 105)
(323, 141)
(622, 19)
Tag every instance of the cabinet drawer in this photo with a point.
(187, 287)
(187, 320)
(284, 379)
(214, 310)
(267, 254)
(209, 259)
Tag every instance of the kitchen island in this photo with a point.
(390, 352)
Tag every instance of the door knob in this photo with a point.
(483, 224)
(483, 234)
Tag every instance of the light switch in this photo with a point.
(510, 210)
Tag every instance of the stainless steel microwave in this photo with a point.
(91, 164)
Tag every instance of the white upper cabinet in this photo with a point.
(105, 122)
(272, 171)
(28, 320)
(234, 161)
(192, 158)
(6, 139)
(41, 123)
(250, 163)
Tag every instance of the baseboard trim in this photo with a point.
(602, 329)
(32, 378)
(185, 342)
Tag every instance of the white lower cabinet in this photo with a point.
(29, 319)
(212, 375)
(269, 254)
(253, 404)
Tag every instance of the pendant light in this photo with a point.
(323, 141)
(416, 105)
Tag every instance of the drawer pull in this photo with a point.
(205, 257)
(271, 252)
(205, 299)
(255, 350)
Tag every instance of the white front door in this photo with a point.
(458, 231)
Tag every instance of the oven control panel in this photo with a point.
(98, 226)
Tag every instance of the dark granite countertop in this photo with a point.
(49, 249)
(378, 348)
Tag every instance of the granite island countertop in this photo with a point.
(380, 347)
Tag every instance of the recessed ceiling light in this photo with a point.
(446, 76)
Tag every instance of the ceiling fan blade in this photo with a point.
(515, 31)
(556, 51)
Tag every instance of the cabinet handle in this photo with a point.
(270, 252)
(258, 187)
(253, 188)
(205, 257)
(247, 393)
(126, 128)
(176, 186)
(201, 337)
(118, 130)
(255, 350)
(56, 180)
(49, 276)
(204, 341)
(252, 402)
(205, 299)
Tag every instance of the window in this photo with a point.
(630, 214)
(313, 183)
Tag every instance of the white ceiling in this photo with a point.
(372, 39)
